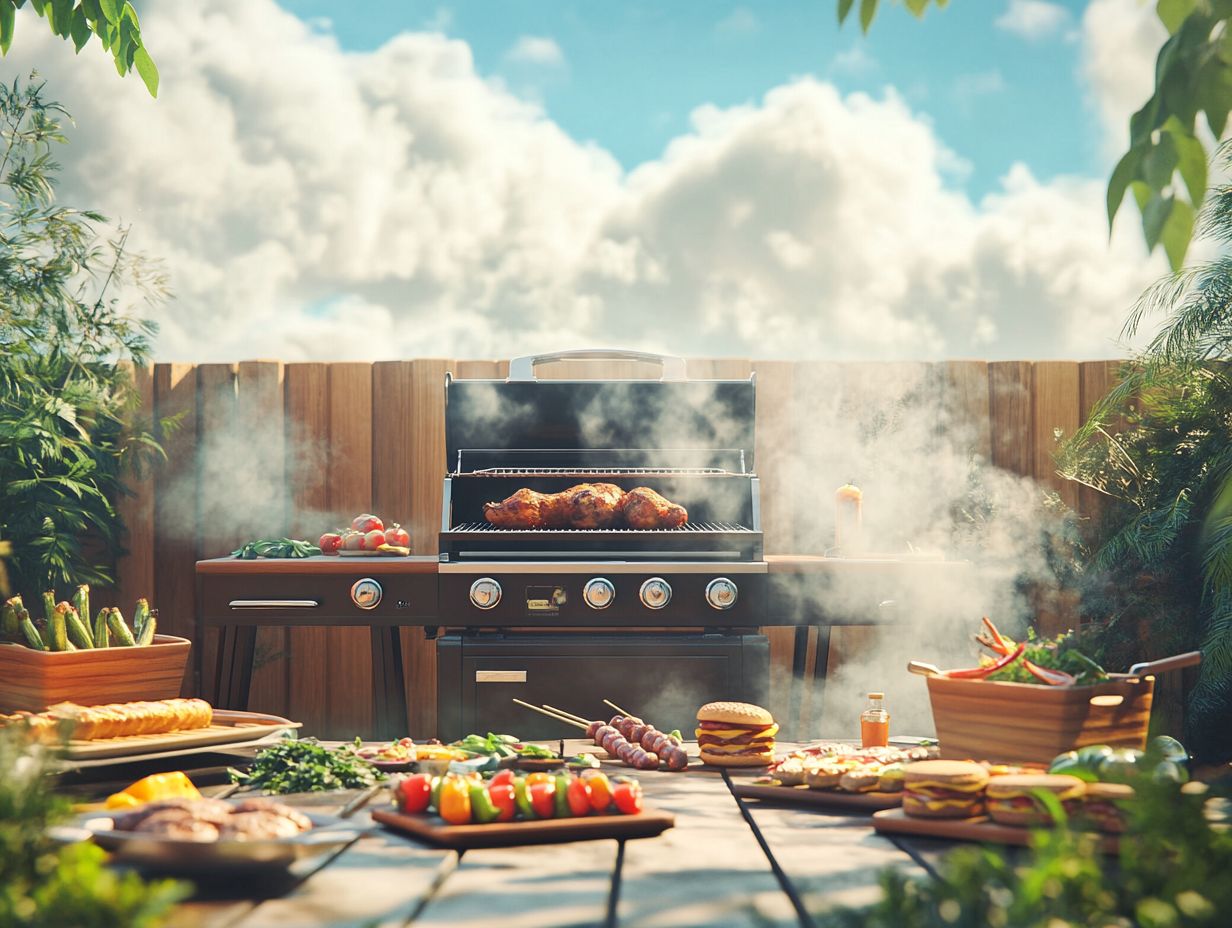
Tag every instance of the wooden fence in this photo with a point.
(264, 449)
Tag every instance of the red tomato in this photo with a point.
(502, 776)
(414, 793)
(397, 535)
(367, 523)
(628, 797)
(372, 540)
(579, 797)
(502, 797)
(330, 543)
(542, 798)
(352, 541)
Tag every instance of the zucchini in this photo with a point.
(78, 634)
(102, 636)
(57, 629)
(10, 623)
(33, 638)
(146, 635)
(123, 634)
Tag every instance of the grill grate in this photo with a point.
(601, 472)
(688, 528)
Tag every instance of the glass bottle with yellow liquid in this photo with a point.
(875, 723)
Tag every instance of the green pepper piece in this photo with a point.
(521, 798)
(435, 801)
(562, 795)
(482, 809)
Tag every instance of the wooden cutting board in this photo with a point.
(433, 830)
(833, 799)
(980, 829)
(228, 726)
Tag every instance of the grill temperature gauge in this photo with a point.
(366, 593)
(485, 593)
(721, 593)
(655, 593)
(598, 593)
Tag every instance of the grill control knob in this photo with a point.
(721, 593)
(655, 593)
(485, 593)
(598, 593)
(366, 593)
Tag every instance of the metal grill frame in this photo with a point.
(471, 528)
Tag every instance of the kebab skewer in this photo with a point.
(668, 747)
(606, 736)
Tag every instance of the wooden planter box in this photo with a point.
(33, 680)
(1022, 723)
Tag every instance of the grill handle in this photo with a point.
(523, 368)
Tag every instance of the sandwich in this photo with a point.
(944, 789)
(735, 734)
(861, 779)
(1012, 799)
(1103, 806)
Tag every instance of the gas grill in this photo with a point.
(663, 619)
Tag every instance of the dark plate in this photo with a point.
(434, 830)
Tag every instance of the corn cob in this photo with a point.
(78, 634)
(146, 635)
(140, 613)
(33, 638)
(10, 623)
(123, 634)
(102, 635)
(57, 628)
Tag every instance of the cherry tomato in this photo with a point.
(543, 798)
(600, 790)
(352, 541)
(368, 523)
(414, 793)
(579, 797)
(538, 777)
(628, 797)
(502, 776)
(330, 543)
(502, 797)
(397, 535)
(455, 801)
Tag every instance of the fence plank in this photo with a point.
(1012, 423)
(350, 492)
(1056, 411)
(175, 510)
(135, 568)
(306, 414)
(259, 415)
(966, 406)
(1095, 380)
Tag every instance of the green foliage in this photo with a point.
(113, 21)
(1165, 166)
(1172, 872)
(64, 399)
(306, 766)
(1160, 447)
(44, 885)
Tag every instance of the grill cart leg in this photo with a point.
(233, 669)
(388, 682)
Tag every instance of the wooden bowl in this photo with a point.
(33, 680)
(1023, 723)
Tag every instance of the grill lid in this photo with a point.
(594, 426)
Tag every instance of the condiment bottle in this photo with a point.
(875, 723)
(848, 519)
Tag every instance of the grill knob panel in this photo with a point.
(655, 593)
(721, 593)
(599, 593)
(366, 593)
(485, 593)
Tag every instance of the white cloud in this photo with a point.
(1033, 19)
(536, 49)
(740, 21)
(968, 88)
(1121, 39)
(855, 61)
(421, 209)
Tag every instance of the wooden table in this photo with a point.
(726, 862)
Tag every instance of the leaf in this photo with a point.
(1173, 12)
(868, 9)
(8, 14)
(1178, 232)
(1125, 171)
(1190, 160)
(1154, 215)
(917, 7)
(111, 9)
(1160, 162)
(149, 73)
(844, 7)
(60, 17)
(1143, 122)
(80, 29)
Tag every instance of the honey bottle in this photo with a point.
(875, 723)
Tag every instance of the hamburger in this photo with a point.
(735, 734)
(944, 789)
(1012, 801)
(1102, 806)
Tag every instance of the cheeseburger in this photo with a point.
(944, 789)
(1012, 799)
(1103, 805)
(735, 734)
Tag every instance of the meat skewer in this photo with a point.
(650, 738)
(606, 736)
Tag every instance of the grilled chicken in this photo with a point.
(587, 505)
(644, 508)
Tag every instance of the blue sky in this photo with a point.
(632, 71)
